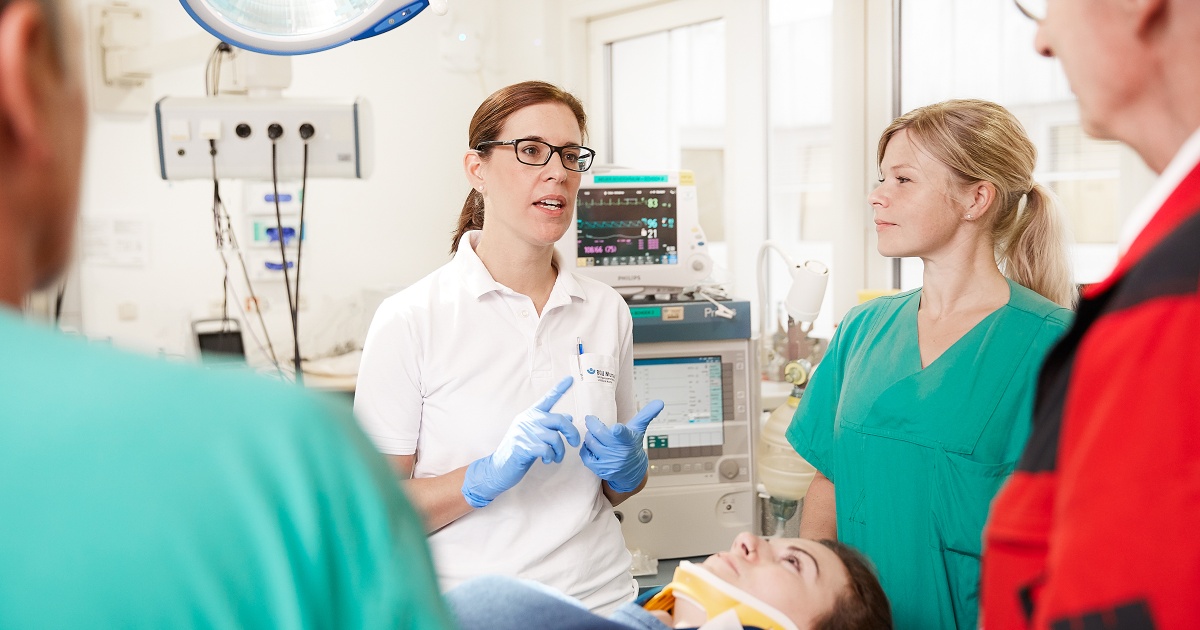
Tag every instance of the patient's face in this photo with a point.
(800, 577)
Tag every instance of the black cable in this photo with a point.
(58, 301)
(287, 283)
(300, 229)
(221, 214)
(212, 69)
(220, 235)
(253, 296)
(212, 153)
(250, 287)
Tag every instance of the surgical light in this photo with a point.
(296, 27)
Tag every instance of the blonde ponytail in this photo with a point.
(1030, 247)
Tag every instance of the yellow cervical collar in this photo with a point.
(695, 584)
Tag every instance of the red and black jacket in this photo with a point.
(1099, 527)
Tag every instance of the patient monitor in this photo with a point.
(699, 492)
(638, 231)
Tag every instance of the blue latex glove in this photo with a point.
(616, 454)
(535, 433)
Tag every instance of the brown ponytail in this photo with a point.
(488, 122)
(471, 217)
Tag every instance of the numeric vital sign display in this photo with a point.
(631, 226)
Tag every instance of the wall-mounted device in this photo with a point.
(338, 136)
(638, 231)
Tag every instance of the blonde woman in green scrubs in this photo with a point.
(921, 407)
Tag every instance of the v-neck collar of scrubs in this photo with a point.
(911, 311)
(955, 388)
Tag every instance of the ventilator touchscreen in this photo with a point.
(693, 392)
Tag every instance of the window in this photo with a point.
(984, 50)
(800, 214)
(709, 107)
(667, 102)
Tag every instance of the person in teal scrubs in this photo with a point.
(922, 404)
(136, 493)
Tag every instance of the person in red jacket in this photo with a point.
(1096, 529)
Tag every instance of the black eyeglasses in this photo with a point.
(537, 153)
(1033, 9)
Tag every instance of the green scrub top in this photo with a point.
(137, 493)
(916, 455)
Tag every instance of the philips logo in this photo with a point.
(629, 278)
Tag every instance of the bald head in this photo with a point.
(1132, 67)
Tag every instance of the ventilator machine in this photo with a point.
(639, 232)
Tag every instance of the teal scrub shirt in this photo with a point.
(136, 493)
(916, 455)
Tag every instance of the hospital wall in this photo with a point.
(366, 238)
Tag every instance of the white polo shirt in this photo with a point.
(450, 361)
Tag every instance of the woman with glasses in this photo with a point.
(922, 404)
(451, 363)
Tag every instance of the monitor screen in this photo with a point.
(694, 393)
(627, 226)
(221, 345)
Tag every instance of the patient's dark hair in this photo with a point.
(863, 605)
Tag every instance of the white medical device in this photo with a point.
(219, 340)
(808, 282)
(243, 130)
(296, 27)
(700, 489)
(638, 232)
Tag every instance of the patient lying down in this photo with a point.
(779, 584)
